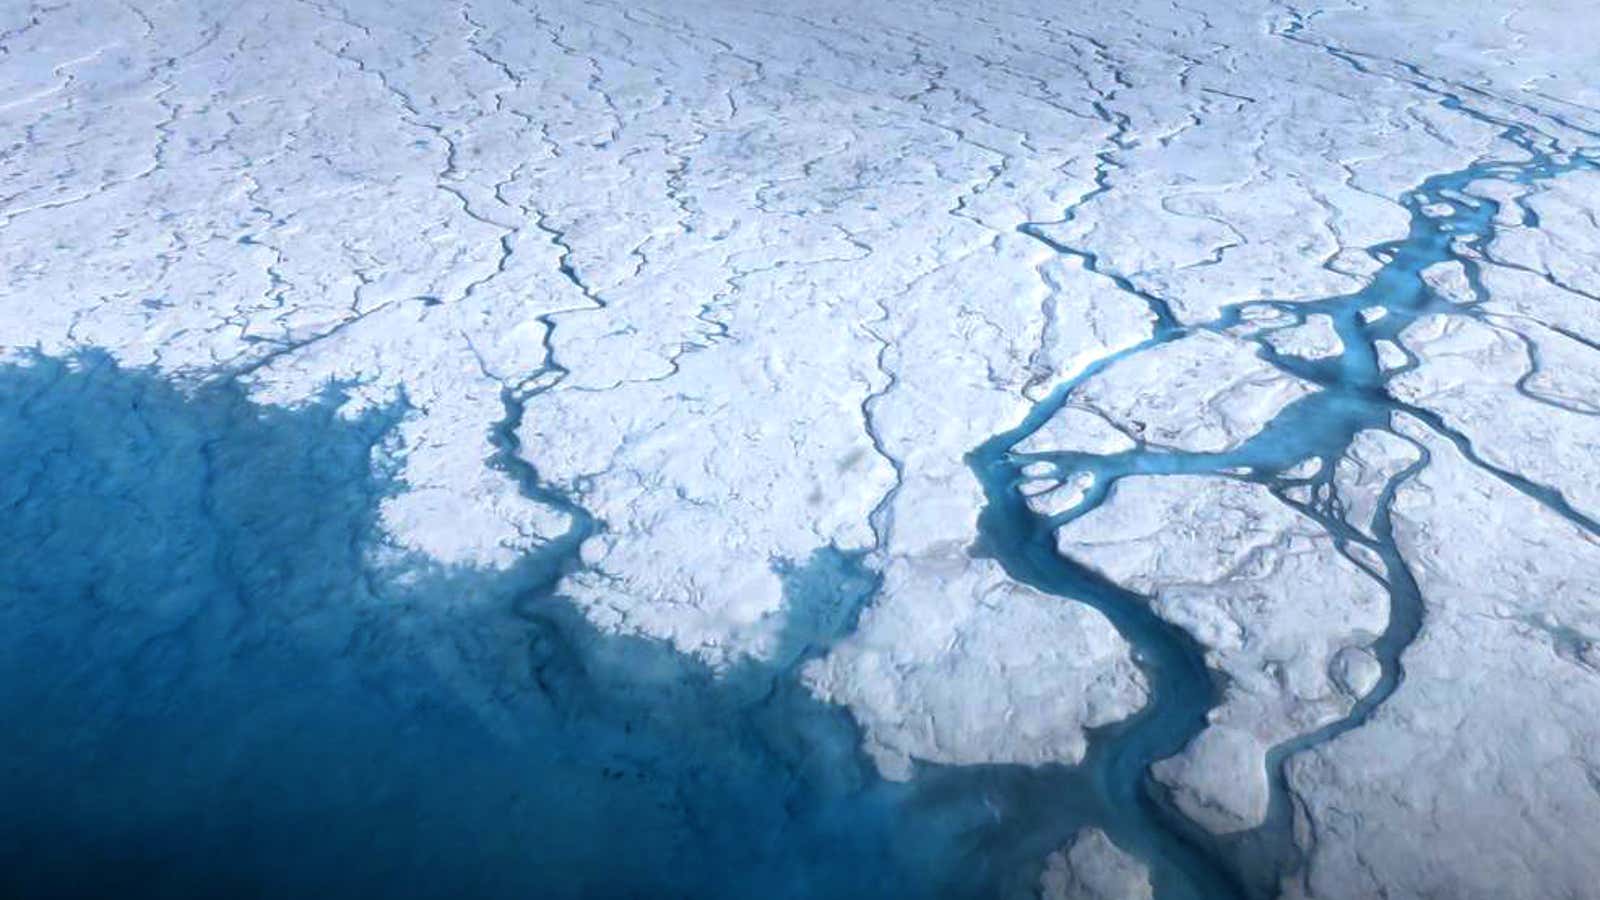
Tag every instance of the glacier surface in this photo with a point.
(810, 449)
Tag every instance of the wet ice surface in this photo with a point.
(800, 450)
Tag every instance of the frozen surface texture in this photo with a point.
(1266, 591)
(1204, 393)
(846, 449)
(970, 667)
(1500, 703)
(1093, 869)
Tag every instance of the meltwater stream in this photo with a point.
(1116, 792)
(218, 681)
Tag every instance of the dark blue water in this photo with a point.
(210, 689)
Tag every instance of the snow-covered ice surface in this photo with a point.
(805, 449)
(1093, 869)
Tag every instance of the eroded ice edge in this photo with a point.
(521, 449)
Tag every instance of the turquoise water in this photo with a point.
(1187, 862)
